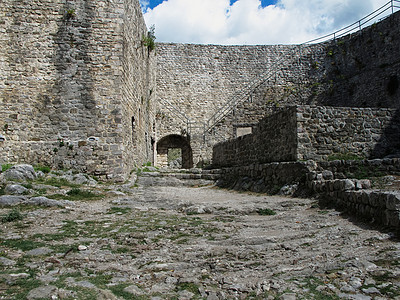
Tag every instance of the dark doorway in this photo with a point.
(174, 141)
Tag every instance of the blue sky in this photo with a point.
(251, 21)
(153, 3)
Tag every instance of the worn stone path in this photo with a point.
(180, 242)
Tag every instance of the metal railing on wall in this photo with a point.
(241, 96)
(303, 50)
(386, 9)
(246, 92)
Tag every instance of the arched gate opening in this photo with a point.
(172, 146)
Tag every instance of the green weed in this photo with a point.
(266, 212)
(188, 286)
(57, 182)
(312, 283)
(149, 40)
(44, 169)
(27, 185)
(345, 156)
(13, 215)
(76, 194)
(5, 167)
(20, 289)
(24, 245)
(118, 290)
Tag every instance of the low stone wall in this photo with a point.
(269, 177)
(273, 139)
(361, 168)
(356, 197)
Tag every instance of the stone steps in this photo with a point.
(214, 174)
(177, 177)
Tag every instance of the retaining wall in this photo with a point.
(314, 132)
(353, 196)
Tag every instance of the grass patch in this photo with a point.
(100, 280)
(23, 245)
(76, 194)
(57, 182)
(27, 185)
(312, 283)
(21, 287)
(44, 169)
(345, 156)
(188, 286)
(266, 212)
(5, 167)
(118, 290)
(40, 192)
(12, 216)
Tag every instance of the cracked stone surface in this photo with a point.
(181, 242)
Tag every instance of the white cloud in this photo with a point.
(144, 4)
(246, 22)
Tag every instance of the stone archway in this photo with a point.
(174, 141)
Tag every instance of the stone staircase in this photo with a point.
(178, 177)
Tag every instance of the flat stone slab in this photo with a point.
(43, 292)
(39, 251)
(10, 200)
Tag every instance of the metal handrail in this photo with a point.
(391, 5)
(263, 77)
(241, 96)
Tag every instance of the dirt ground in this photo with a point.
(179, 242)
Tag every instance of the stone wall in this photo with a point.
(361, 168)
(353, 196)
(264, 178)
(363, 69)
(65, 71)
(314, 132)
(359, 70)
(365, 132)
(138, 91)
(356, 197)
(273, 139)
(197, 80)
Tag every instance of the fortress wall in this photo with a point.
(199, 79)
(137, 91)
(61, 81)
(363, 69)
(359, 70)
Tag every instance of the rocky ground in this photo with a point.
(169, 239)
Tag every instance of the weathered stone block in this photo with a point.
(393, 201)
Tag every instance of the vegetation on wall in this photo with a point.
(149, 40)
